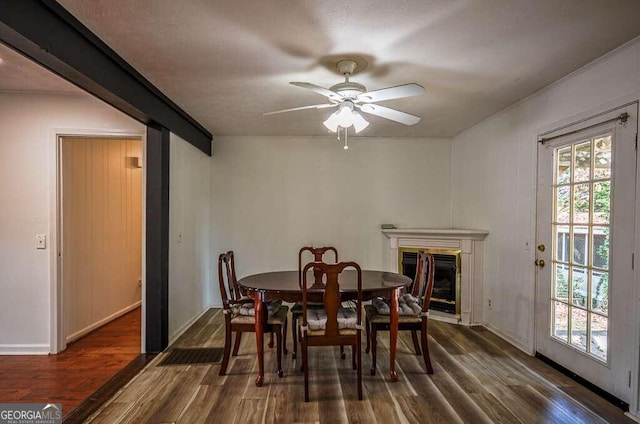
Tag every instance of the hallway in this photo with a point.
(73, 375)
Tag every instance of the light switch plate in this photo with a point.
(41, 241)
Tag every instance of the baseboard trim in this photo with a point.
(509, 339)
(25, 349)
(78, 334)
(180, 331)
(632, 417)
(586, 383)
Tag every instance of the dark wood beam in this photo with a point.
(157, 240)
(45, 32)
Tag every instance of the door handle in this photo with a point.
(540, 263)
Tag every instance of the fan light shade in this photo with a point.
(346, 117)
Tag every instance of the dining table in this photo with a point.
(285, 285)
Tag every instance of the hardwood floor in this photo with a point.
(73, 375)
(478, 378)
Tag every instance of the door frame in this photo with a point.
(58, 337)
(621, 102)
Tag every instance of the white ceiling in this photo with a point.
(227, 62)
(19, 74)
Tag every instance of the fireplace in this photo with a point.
(446, 287)
(466, 246)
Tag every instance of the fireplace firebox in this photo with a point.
(446, 287)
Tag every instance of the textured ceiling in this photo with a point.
(22, 75)
(227, 62)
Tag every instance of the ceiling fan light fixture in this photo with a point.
(332, 122)
(352, 99)
(346, 117)
(359, 123)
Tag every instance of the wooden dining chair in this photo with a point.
(332, 325)
(413, 312)
(239, 314)
(296, 310)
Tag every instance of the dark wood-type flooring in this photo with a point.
(73, 375)
(479, 378)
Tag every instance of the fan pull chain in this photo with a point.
(345, 137)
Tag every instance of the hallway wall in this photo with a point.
(29, 125)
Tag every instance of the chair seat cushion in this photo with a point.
(376, 318)
(246, 308)
(297, 307)
(317, 321)
(407, 305)
(278, 317)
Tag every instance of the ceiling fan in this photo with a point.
(350, 97)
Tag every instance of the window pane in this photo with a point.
(562, 243)
(563, 200)
(601, 247)
(602, 147)
(563, 172)
(560, 320)
(601, 202)
(600, 292)
(580, 245)
(561, 291)
(579, 328)
(581, 203)
(582, 162)
(599, 345)
(579, 287)
(581, 224)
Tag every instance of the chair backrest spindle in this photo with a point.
(331, 289)
(424, 279)
(318, 255)
(229, 289)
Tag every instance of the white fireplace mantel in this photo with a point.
(468, 242)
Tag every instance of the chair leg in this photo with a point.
(284, 336)
(227, 350)
(374, 348)
(279, 346)
(425, 348)
(305, 364)
(342, 354)
(236, 343)
(270, 340)
(367, 326)
(416, 344)
(353, 357)
(358, 350)
(294, 332)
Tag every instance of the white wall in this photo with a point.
(494, 177)
(28, 124)
(189, 250)
(273, 195)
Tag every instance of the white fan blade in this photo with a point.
(322, 106)
(320, 90)
(391, 114)
(397, 92)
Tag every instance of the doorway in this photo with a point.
(585, 243)
(100, 231)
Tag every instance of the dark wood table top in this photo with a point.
(286, 282)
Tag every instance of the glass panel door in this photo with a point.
(585, 221)
(582, 196)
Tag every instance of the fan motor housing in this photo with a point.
(349, 89)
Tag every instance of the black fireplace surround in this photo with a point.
(443, 297)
